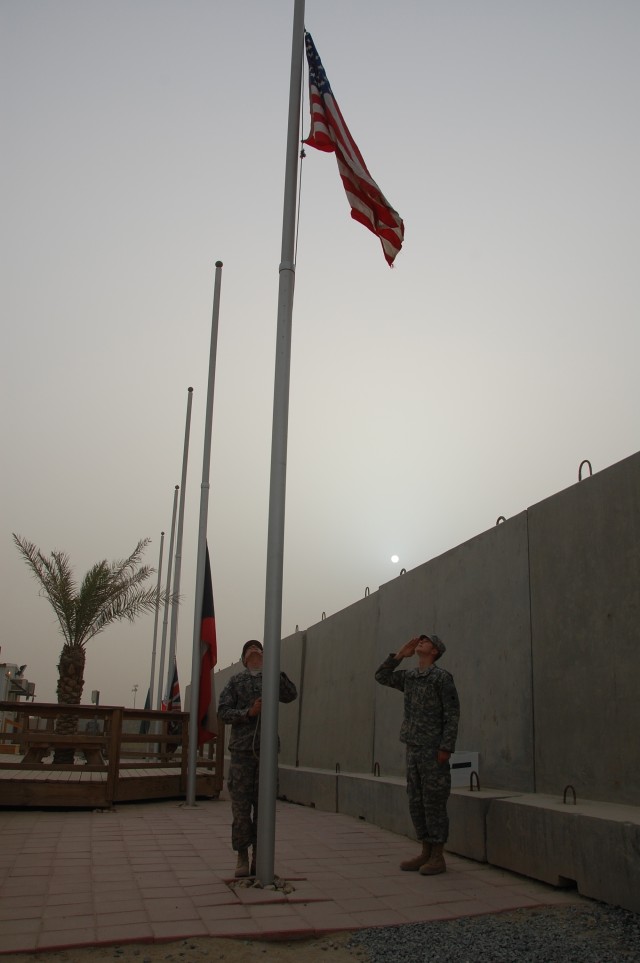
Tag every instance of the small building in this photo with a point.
(14, 687)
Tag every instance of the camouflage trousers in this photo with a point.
(242, 783)
(428, 788)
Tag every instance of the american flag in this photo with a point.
(330, 133)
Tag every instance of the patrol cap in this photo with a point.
(248, 645)
(437, 641)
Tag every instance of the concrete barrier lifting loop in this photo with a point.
(324, 615)
(297, 628)
(582, 464)
(500, 519)
(473, 775)
(564, 795)
(376, 769)
(403, 571)
(366, 591)
(337, 768)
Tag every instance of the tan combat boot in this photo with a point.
(435, 864)
(413, 865)
(242, 866)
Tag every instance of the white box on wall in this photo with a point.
(462, 765)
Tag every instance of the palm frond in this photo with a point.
(109, 592)
(94, 594)
(56, 581)
(126, 605)
(129, 565)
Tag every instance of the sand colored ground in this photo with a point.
(321, 950)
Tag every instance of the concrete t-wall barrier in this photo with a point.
(584, 546)
(337, 705)
(541, 617)
(476, 598)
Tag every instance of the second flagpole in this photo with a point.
(202, 547)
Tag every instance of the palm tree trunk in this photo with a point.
(70, 686)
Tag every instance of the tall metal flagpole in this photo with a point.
(155, 625)
(202, 548)
(165, 620)
(176, 575)
(275, 539)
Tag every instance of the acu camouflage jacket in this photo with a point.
(431, 704)
(237, 697)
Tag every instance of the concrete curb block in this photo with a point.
(594, 845)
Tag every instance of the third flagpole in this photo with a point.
(275, 538)
(165, 620)
(173, 634)
(155, 625)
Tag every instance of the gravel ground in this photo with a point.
(592, 933)
(584, 933)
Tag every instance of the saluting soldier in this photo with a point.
(429, 731)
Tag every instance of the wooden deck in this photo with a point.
(113, 761)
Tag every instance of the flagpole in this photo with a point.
(165, 620)
(176, 575)
(155, 625)
(275, 538)
(202, 547)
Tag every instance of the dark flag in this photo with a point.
(173, 703)
(207, 720)
(330, 133)
(144, 723)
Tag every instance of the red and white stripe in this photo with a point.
(368, 204)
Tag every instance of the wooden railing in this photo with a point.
(107, 739)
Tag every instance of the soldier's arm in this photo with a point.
(228, 709)
(387, 673)
(450, 715)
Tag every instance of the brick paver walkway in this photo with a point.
(160, 871)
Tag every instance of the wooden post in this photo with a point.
(184, 749)
(219, 780)
(115, 740)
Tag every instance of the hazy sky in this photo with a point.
(145, 139)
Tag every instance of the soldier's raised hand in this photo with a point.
(408, 649)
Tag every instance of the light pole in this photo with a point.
(134, 690)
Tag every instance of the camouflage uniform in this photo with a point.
(236, 698)
(431, 715)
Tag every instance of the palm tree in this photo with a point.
(110, 592)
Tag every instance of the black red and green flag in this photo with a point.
(207, 720)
